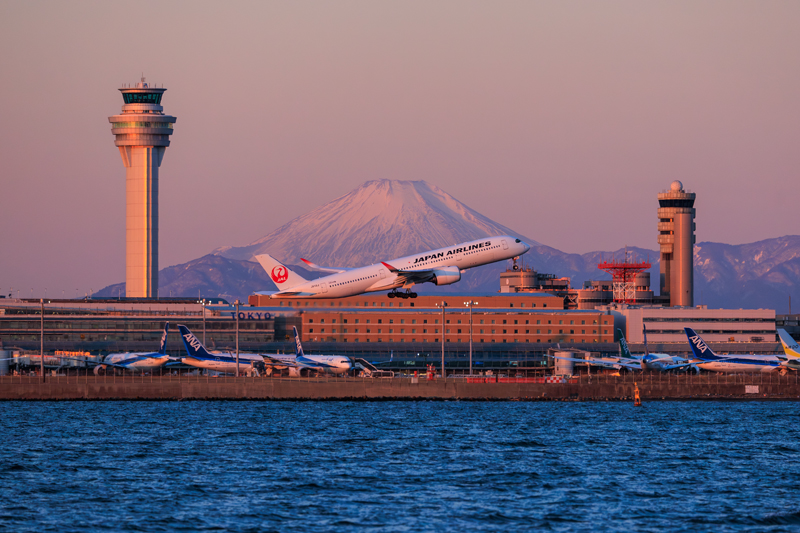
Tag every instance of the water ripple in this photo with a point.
(398, 466)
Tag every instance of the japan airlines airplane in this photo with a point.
(735, 363)
(137, 361)
(301, 364)
(199, 357)
(441, 267)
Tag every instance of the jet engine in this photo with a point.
(446, 275)
(298, 372)
(100, 370)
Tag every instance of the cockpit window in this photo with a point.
(517, 240)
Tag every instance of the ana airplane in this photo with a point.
(199, 357)
(660, 362)
(440, 267)
(137, 361)
(663, 362)
(735, 363)
(301, 364)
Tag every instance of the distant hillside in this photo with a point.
(381, 220)
(209, 276)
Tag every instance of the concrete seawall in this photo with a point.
(599, 388)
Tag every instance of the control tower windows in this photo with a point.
(142, 98)
(676, 203)
(142, 125)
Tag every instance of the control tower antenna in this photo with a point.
(142, 133)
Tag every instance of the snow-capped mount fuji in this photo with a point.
(378, 221)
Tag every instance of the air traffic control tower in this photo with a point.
(142, 135)
(676, 236)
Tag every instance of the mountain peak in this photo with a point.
(378, 220)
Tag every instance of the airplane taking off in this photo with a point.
(137, 361)
(441, 267)
(301, 364)
(730, 363)
(219, 362)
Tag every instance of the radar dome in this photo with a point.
(676, 186)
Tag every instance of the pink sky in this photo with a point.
(559, 119)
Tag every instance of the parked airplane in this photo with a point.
(663, 362)
(660, 362)
(731, 363)
(137, 361)
(790, 346)
(301, 364)
(199, 357)
(441, 267)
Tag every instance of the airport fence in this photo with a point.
(642, 379)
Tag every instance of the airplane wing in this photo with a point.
(88, 362)
(682, 366)
(617, 365)
(791, 364)
(413, 276)
(273, 361)
(315, 266)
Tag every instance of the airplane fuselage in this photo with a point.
(738, 365)
(447, 263)
(137, 362)
(223, 362)
(330, 364)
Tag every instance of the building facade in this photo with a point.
(665, 324)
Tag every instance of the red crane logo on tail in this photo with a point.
(280, 274)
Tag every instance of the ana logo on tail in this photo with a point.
(697, 341)
(280, 274)
(193, 341)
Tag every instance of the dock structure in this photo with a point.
(595, 388)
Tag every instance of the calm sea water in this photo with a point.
(399, 466)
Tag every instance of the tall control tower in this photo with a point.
(676, 236)
(142, 135)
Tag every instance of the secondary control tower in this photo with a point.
(142, 135)
(676, 236)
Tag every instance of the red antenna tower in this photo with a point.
(623, 275)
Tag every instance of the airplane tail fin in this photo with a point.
(163, 348)
(644, 334)
(700, 349)
(298, 348)
(623, 346)
(790, 346)
(193, 345)
(278, 272)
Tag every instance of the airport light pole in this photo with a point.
(204, 322)
(237, 338)
(470, 304)
(41, 336)
(442, 306)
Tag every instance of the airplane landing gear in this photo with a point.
(397, 294)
